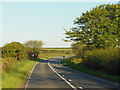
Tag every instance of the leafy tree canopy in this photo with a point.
(97, 28)
(34, 44)
(33, 48)
(14, 49)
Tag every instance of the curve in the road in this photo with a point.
(51, 74)
(72, 86)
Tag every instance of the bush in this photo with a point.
(14, 49)
(106, 60)
(78, 49)
(81, 67)
(92, 62)
(76, 60)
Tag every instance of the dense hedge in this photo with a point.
(106, 60)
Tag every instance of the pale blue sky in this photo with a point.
(44, 21)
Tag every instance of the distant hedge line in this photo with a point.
(57, 51)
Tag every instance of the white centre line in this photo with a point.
(61, 76)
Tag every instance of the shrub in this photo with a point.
(78, 49)
(92, 62)
(76, 60)
(14, 49)
(106, 60)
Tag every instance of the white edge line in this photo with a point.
(30, 75)
(61, 76)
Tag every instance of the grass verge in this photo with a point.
(16, 74)
(82, 68)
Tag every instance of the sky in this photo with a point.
(24, 21)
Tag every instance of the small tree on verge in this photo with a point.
(14, 49)
(34, 47)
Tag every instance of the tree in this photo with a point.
(34, 44)
(14, 49)
(97, 28)
(33, 48)
(78, 49)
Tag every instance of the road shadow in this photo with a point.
(37, 59)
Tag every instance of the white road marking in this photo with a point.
(81, 87)
(30, 75)
(61, 76)
(69, 80)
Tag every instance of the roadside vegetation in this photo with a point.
(18, 60)
(15, 72)
(96, 42)
(102, 63)
(95, 45)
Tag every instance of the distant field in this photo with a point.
(52, 52)
(56, 49)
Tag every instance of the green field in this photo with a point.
(56, 48)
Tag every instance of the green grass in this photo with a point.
(49, 54)
(82, 68)
(56, 49)
(46, 56)
(16, 74)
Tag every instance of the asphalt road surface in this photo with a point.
(51, 74)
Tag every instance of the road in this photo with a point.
(51, 74)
